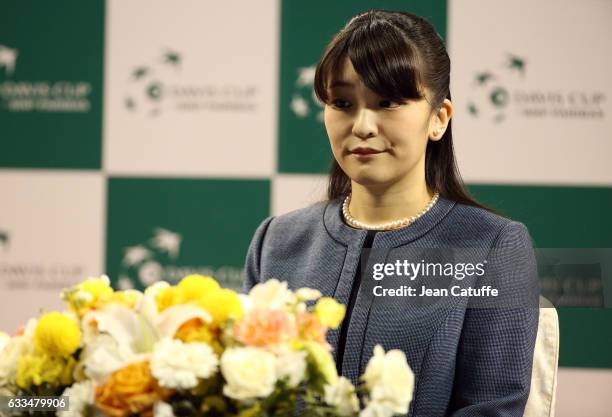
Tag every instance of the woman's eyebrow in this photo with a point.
(340, 83)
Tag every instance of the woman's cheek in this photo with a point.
(336, 141)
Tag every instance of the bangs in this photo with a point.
(385, 60)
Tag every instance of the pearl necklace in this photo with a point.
(395, 224)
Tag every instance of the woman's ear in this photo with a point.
(440, 119)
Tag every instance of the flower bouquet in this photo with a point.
(196, 349)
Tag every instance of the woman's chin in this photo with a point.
(370, 180)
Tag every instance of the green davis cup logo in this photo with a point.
(157, 259)
(497, 93)
(490, 95)
(143, 264)
(8, 59)
(45, 96)
(304, 102)
(35, 273)
(162, 86)
(4, 239)
(146, 92)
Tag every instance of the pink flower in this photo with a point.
(310, 328)
(265, 327)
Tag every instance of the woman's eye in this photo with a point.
(341, 104)
(389, 104)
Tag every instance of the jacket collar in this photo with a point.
(347, 235)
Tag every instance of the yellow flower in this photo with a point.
(57, 334)
(322, 361)
(127, 298)
(203, 291)
(88, 295)
(329, 312)
(222, 304)
(166, 297)
(97, 287)
(194, 330)
(38, 368)
(192, 287)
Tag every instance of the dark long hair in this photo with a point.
(396, 54)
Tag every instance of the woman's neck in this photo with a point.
(379, 206)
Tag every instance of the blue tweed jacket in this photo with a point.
(467, 361)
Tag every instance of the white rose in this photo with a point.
(14, 348)
(389, 379)
(102, 356)
(30, 328)
(9, 358)
(179, 365)
(4, 340)
(162, 409)
(291, 365)
(375, 409)
(271, 294)
(308, 294)
(81, 396)
(342, 396)
(246, 302)
(101, 363)
(250, 372)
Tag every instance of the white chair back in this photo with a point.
(541, 402)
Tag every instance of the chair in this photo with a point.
(541, 402)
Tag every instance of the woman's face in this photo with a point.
(375, 140)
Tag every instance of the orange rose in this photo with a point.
(130, 390)
(310, 327)
(194, 330)
(265, 327)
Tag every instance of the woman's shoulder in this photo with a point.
(302, 217)
(479, 224)
(297, 224)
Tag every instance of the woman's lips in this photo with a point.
(364, 153)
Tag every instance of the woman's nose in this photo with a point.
(365, 124)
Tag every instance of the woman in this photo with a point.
(384, 79)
